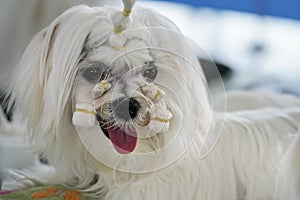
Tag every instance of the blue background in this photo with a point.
(281, 8)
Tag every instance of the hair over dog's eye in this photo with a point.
(95, 74)
(150, 72)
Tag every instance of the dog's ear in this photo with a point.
(42, 82)
(31, 74)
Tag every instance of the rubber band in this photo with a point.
(104, 85)
(117, 31)
(126, 12)
(158, 93)
(161, 120)
(85, 111)
(118, 48)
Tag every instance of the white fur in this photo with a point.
(24, 21)
(255, 149)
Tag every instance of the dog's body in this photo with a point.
(178, 153)
(243, 165)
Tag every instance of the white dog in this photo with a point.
(118, 104)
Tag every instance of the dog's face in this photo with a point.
(134, 93)
(133, 101)
(125, 93)
(124, 99)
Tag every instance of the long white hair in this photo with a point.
(43, 82)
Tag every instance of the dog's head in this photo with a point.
(100, 85)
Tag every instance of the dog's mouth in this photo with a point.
(124, 141)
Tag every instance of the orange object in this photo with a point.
(48, 192)
(72, 195)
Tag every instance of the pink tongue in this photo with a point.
(124, 142)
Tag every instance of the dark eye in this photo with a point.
(150, 72)
(95, 74)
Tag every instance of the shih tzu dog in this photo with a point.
(118, 104)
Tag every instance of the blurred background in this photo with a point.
(255, 43)
(259, 40)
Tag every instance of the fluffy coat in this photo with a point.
(247, 154)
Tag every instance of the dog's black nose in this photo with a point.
(126, 108)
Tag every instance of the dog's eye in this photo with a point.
(95, 74)
(150, 72)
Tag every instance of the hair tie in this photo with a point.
(121, 19)
(118, 47)
(117, 31)
(126, 12)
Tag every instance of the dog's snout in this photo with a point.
(126, 108)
